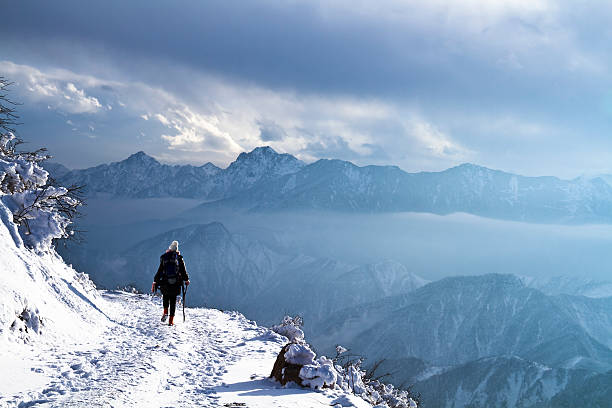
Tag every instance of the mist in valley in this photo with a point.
(430, 246)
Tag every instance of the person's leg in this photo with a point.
(172, 305)
(172, 309)
(166, 301)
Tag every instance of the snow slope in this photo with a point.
(63, 343)
(41, 296)
(212, 359)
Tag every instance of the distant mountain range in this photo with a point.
(578, 286)
(264, 180)
(476, 341)
(480, 340)
(141, 176)
(503, 382)
(233, 271)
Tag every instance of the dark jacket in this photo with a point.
(159, 276)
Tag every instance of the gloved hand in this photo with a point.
(153, 287)
(186, 283)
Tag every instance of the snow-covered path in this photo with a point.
(213, 359)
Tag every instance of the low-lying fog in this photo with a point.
(429, 245)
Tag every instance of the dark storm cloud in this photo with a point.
(503, 80)
(287, 44)
(276, 45)
(270, 131)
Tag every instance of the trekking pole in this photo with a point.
(184, 293)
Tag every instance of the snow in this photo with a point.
(85, 346)
(299, 354)
(291, 329)
(141, 176)
(246, 382)
(213, 358)
(320, 373)
(31, 202)
(41, 293)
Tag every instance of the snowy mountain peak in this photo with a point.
(259, 153)
(265, 155)
(263, 150)
(141, 157)
(209, 166)
(260, 164)
(470, 168)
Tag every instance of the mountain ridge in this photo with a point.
(263, 180)
(143, 176)
(472, 317)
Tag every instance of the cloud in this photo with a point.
(195, 132)
(383, 48)
(54, 90)
(164, 121)
(215, 118)
(436, 142)
(270, 131)
(232, 118)
(82, 102)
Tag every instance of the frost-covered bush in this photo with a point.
(27, 323)
(291, 328)
(320, 373)
(42, 210)
(376, 392)
(341, 371)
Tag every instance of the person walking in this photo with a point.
(169, 279)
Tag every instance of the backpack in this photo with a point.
(170, 268)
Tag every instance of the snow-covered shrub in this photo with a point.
(377, 393)
(42, 210)
(320, 373)
(291, 328)
(315, 373)
(27, 323)
(130, 288)
(341, 371)
(85, 281)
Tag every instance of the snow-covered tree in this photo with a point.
(43, 210)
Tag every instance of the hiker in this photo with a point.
(169, 279)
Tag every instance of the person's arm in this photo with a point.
(183, 270)
(157, 275)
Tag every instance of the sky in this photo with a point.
(516, 85)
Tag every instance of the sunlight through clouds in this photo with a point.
(54, 90)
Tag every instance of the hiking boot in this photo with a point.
(164, 317)
(171, 321)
